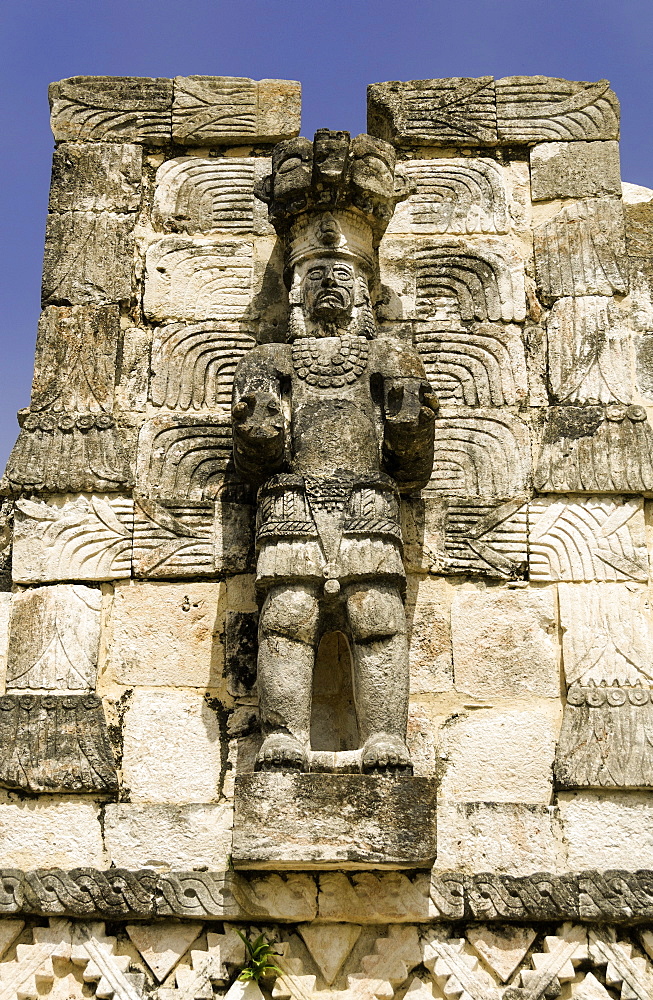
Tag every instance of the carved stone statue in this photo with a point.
(332, 426)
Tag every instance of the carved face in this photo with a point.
(328, 289)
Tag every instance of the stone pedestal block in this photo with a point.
(303, 821)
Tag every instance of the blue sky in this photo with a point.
(334, 47)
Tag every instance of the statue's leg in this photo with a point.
(288, 633)
(377, 622)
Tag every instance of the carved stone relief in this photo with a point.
(52, 729)
(220, 110)
(594, 538)
(581, 250)
(607, 719)
(193, 365)
(111, 108)
(198, 280)
(198, 195)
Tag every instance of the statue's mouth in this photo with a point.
(331, 300)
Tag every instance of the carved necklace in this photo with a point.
(340, 368)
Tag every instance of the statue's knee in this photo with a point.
(375, 612)
(291, 612)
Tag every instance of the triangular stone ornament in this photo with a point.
(244, 991)
(329, 945)
(502, 948)
(9, 931)
(162, 945)
(591, 989)
(646, 937)
(419, 990)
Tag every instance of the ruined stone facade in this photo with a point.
(411, 642)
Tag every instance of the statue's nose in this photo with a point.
(329, 280)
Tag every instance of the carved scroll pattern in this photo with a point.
(480, 453)
(486, 282)
(198, 195)
(184, 459)
(455, 196)
(193, 366)
(484, 366)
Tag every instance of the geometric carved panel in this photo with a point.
(596, 538)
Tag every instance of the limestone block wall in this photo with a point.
(522, 270)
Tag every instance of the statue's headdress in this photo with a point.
(332, 196)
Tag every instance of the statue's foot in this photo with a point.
(281, 752)
(385, 753)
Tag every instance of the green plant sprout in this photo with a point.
(261, 959)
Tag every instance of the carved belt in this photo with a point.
(364, 506)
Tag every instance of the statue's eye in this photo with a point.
(315, 273)
(290, 164)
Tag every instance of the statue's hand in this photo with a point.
(258, 419)
(409, 404)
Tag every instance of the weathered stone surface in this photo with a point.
(115, 108)
(73, 538)
(505, 838)
(605, 830)
(9, 931)
(542, 108)
(162, 945)
(76, 359)
(5, 610)
(333, 821)
(453, 196)
(54, 639)
(88, 258)
(503, 949)
(376, 897)
(291, 897)
(92, 177)
(198, 279)
(597, 538)
(464, 280)
(480, 453)
(605, 738)
(606, 634)
(170, 837)
(165, 634)
(593, 449)
(69, 453)
(184, 459)
(498, 755)
(457, 110)
(582, 250)
(428, 617)
(578, 170)
(172, 747)
(193, 365)
(484, 366)
(450, 961)
(55, 743)
(505, 642)
(132, 382)
(228, 110)
(589, 351)
(173, 541)
(486, 539)
(57, 832)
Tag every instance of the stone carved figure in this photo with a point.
(332, 426)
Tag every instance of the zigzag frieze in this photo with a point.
(620, 897)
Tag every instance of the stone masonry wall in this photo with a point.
(522, 270)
